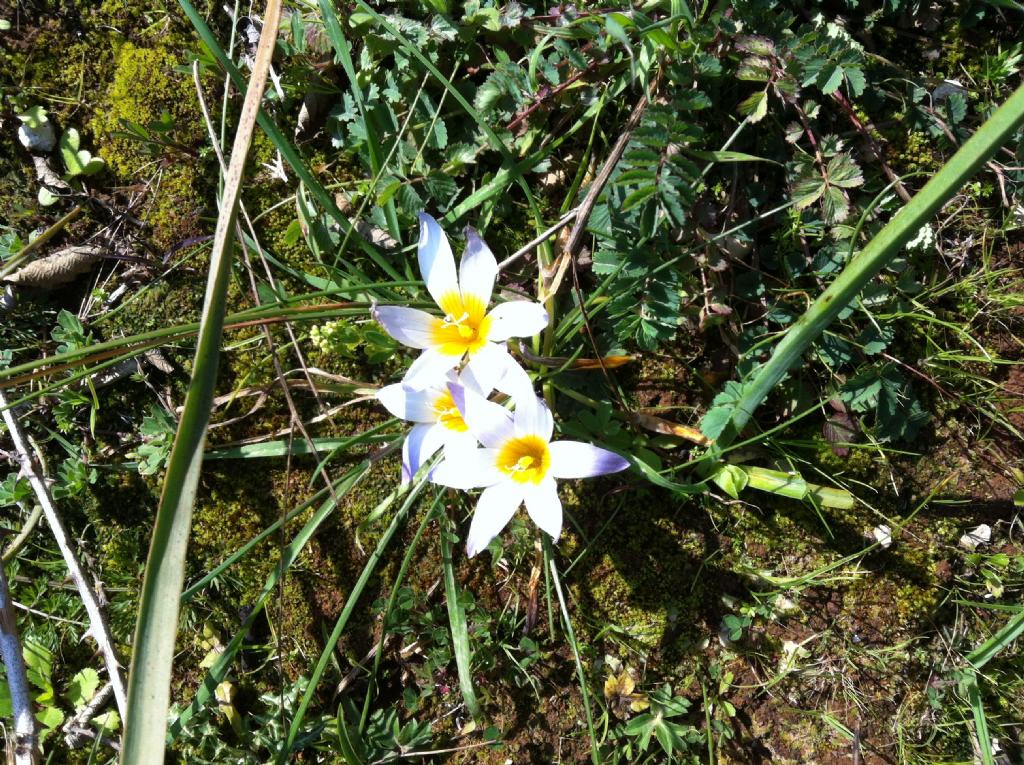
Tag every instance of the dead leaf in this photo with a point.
(665, 427)
(59, 268)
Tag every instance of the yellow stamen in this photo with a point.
(465, 327)
(448, 414)
(525, 459)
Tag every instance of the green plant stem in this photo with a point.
(595, 754)
(149, 680)
(880, 250)
(26, 531)
(412, 490)
(459, 627)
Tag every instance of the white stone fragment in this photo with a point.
(39, 140)
(882, 535)
(975, 537)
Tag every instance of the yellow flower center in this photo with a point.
(448, 414)
(525, 459)
(465, 326)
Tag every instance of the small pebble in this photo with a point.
(882, 535)
(975, 537)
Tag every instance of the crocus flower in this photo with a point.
(518, 464)
(438, 422)
(467, 328)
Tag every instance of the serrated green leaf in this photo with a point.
(754, 69)
(49, 718)
(715, 420)
(843, 171)
(855, 80)
(830, 78)
(807, 192)
(861, 392)
(82, 687)
(638, 197)
(835, 205)
(755, 106)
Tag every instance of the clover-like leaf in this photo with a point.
(78, 161)
(34, 117)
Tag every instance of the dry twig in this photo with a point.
(97, 624)
(25, 751)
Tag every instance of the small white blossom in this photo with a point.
(467, 329)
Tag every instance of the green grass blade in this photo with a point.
(411, 491)
(157, 626)
(457, 620)
(880, 250)
(403, 570)
(283, 145)
(341, 486)
(344, 57)
(218, 672)
(984, 740)
(988, 650)
(595, 753)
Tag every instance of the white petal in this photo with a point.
(430, 369)
(517, 318)
(477, 271)
(544, 507)
(458, 443)
(408, 404)
(409, 326)
(495, 509)
(487, 366)
(423, 440)
(437, 264)
(574, 459)
(489, 422)
(471, 470)
(533, 418)
(515, 382)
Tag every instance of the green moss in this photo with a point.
(144, 87)
(145, 90)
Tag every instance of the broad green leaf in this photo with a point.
(731, 479)
(82, 687)
(46, 197)
(715, 421)
(78, 161)
(755, 106)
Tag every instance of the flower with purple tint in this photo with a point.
(518, 464)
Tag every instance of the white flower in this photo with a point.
(467, 328)
(517, 464)
(438, 421)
